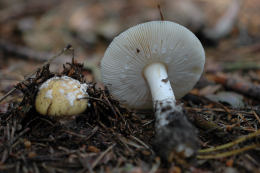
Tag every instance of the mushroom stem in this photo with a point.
(157, 78)
(162, 93)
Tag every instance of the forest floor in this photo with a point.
(108, 137)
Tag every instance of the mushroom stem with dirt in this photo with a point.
(160, 88)
(150, 66)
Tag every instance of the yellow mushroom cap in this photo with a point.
(61, 96)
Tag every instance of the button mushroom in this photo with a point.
(150, 65)
(61, 97)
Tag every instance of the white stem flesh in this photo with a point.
(162, 94)
(157, 79)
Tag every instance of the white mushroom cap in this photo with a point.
(153, 42)
(61, 97)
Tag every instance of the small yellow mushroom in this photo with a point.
(61, 97)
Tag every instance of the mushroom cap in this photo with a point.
(158, 41)
(60, 97)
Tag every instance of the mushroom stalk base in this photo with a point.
(174, 133)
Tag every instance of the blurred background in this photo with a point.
(32, 31)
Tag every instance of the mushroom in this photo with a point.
(150, 65)
(61, 97)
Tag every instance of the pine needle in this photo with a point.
(230, 144)
(228, 153)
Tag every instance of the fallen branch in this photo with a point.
(245, 88)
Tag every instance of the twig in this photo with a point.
(92, 132)
(89, 168)
(74, 134)
(218, 110)
(114, 110)
(30, 75)
(230, 144)
(229, 153)
(85, 164)
(7, 94)
(141, 142)
(94, 98)
(20, 134)
(126, 142)
(35, 167)
(245, 88)
(6, 166)
(148, 122)
(110, 105)
(4, 156)
(155, 166)
(102, 155)
(256, 116)
(160, 11)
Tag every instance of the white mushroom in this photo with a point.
(151, 64)
(61, 97)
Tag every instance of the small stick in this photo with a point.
(102, 155)
(73, 54)
(4, 156)
(256, 116)
(35, 167)
(113, 108)
(229, 153)
(74, 134)
(7, 94)
(217, 110)
(30, 75)
(20, 134)
(141, 142)
(160, 11)
(230, 144)
(92, 133)
(248, 89)
(94, 98)
(156, 166)
(110, 105)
